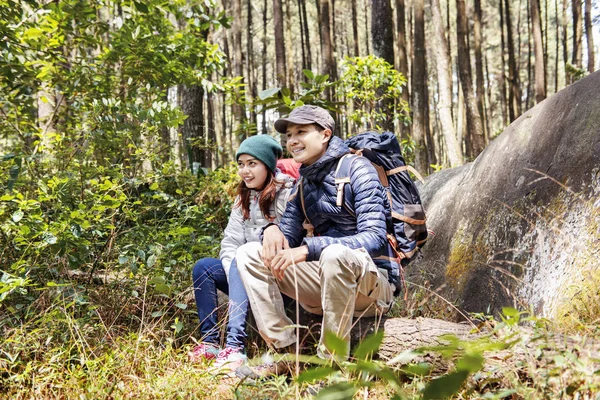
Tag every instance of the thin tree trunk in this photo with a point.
(514, 97)
(557, 47)
(326, 45)
(502, 75)
(237, 59)
(355, 28)
(264, 64)
(577, 33)
(530, 86)
(589, 34)
(251, 90)
(401, 32)
(475, 142)
(419, 88)
(192, 129)
(367, 36)
(382, 30)
(480, 96)
(303, 43)
(538, 46)
(280, 59)
(565, 42)
(306, 36)
(444, 107)
(289, 64)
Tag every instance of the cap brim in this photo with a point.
(282, 123)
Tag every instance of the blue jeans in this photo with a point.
(208, 276)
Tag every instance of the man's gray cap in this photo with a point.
(305, 115)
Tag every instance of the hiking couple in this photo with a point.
(336, 261)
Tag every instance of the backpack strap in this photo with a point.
(342, 176)
(310, 229)
(405, 168)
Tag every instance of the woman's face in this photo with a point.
(253, 172)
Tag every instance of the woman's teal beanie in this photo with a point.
(264, 148)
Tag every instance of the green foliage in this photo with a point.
(285, 100)
(375, 89)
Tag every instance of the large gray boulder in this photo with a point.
(520, 226)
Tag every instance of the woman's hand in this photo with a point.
(273, 243)
(287, 257)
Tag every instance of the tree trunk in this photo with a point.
(279, 43)
(306, 36)
(401, 34)
(565, 42)
(538, 46)
(514, 98)
(502, 75)
(479, 82)
(577, 33)
(192, 130)
(382, 26)
(251, 90)
(419, 88)
(442, 61)
(557, 47)
(475, 142)
(326, 45)
(264, 63)
(367, 36)
(237, 59)
(355, 28)
(589, 34)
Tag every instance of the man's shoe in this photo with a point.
(204, 351)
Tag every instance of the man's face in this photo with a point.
(307, 143)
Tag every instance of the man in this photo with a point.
(345, 266)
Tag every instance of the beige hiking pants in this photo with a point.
(344, 282)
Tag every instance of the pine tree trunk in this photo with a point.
(251, 90)
(280, 58)
(192, 130)
(475, 142)
(565, 42)
(401, 34)
(326, 45)
(502, 75)
(236, 58)
(538, 46)
(589, 34)
(367, 36)
(382, 30)
(307, 36)
(264, 63)
(557, 47)
(479, 83)
(577, 33)
(355, 29)
(444, 73)
(514, 98)
(419, 88)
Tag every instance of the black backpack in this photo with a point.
(408, 216)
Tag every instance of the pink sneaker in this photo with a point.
(204, 351)
(230, 359)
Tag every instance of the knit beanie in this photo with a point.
(263, 147)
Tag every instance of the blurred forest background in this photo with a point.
(119, 121)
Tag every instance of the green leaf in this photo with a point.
(335, 344)
(470, 363)
(154, 186)
(123, 260)
(404, 358)
(369, 346)
(17, 215)
(338, 391)
(265, 94)
(308, 73)
(163, 288)
(141, 7)
(151, 261)
(157, 314)
(315, 374)
(445, 386)
(157, 280)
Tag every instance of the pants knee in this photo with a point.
(203, 266)
(333, 259)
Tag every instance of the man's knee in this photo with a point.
(247, 254)
(335, 259)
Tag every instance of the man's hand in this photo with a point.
(273, 243)
(286, 258)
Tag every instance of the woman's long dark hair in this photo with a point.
(266, 197)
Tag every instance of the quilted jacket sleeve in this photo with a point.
(233, 237)
(371, 218)
(291, 222)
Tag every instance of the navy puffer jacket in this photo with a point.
(333, 224)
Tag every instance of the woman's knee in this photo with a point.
(203, 267)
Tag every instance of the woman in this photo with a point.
(261, 198)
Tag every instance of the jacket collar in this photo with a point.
(320, 168)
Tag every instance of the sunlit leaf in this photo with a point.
(338, 391)
(369, 346)
(445, 386)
